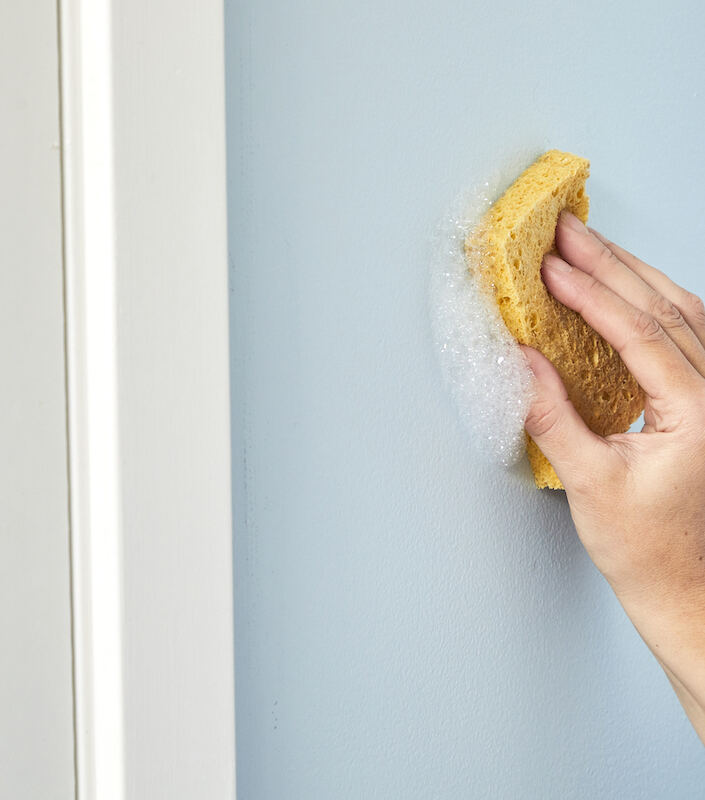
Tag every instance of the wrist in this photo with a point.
(673, 627)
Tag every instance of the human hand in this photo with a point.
(637, 499)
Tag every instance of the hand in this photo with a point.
(637, 499)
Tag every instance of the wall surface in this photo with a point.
(411, 622)
(36, 693)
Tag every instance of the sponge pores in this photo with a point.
(505, 251)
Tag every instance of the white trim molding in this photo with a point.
(36, 687)
(89, 255)
(143, 145)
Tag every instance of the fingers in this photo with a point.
(690, 305)
(557, 428)
(580, 248)
(648, 352)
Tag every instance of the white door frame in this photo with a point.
(143, 143)
(36, 693)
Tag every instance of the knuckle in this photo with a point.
(542, 419)
(695, 308)
(646, 327)
(591, 284)
(607, 257)
(588, 290)
(664, 312)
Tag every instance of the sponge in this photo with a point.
(505, 252)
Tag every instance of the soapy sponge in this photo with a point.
(505, 252)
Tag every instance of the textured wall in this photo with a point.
(411, 623)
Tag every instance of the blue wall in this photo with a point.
(411, 623)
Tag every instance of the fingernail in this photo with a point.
(553, 262)
(573, 222)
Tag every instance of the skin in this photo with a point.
(637, 499)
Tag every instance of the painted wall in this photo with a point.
(411, 623)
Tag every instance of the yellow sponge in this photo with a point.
(507, 249)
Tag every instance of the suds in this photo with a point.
(483, 366)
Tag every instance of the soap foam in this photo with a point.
(486, 372)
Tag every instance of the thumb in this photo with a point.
(559, 431)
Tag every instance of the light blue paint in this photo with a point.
(411, 623)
